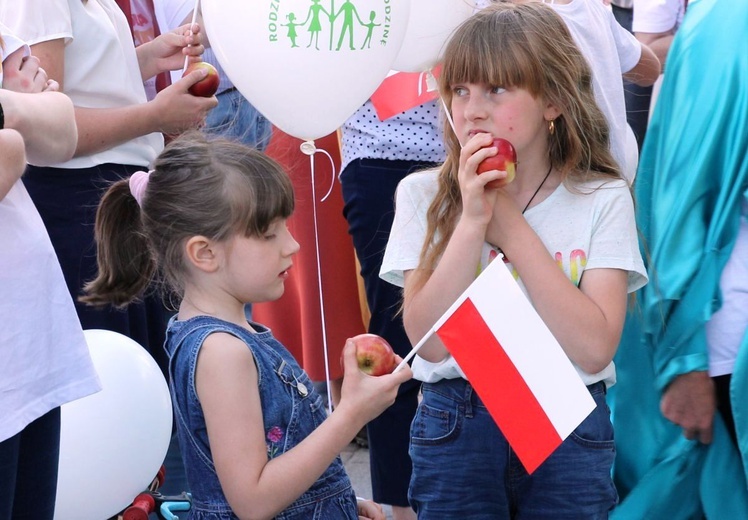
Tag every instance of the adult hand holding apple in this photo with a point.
(174, 110)
(505, 160)
(207, 86)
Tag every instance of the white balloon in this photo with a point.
(430, 26)
(113, 443)
(296, 66)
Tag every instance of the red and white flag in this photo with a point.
(519, 370)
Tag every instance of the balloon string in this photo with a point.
(309, 149)
(194, 19)
(449, 117)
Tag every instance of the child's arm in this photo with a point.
(256, 487)
(647, 69)
(457, 267)
(587, 321)
(12, 159)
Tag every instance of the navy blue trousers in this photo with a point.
(28, 470)
(369, 192)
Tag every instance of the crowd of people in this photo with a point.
(133, 206)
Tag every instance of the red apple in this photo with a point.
(505, 160)
(207, 86)
(374, 355)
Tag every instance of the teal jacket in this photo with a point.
(692, 178)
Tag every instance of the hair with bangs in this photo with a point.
(525, 46)
(214, 188)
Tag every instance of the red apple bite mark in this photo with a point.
(374, 355)
(505, 160)
(207, 86)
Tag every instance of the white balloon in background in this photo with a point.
(302, 71)
(113, 443)
(430, 26)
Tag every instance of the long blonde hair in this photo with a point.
(526, 46)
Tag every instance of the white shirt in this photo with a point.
(727, 327)
(611, 51)
(594, 229)
(413, 135)
(657, 16)
(101, 67)
(45, 359)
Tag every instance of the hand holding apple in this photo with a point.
(207, 86)
(374, 355)
(364, 397)
(505, 160)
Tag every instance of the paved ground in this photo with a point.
(356, 462)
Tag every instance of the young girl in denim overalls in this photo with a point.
(566, 228)
(255, 438)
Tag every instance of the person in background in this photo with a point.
(234, 117)
(257, 442)
(654, 23)
(679, 411)
(564, 227)
(87, 47)
(45, 359)
(144, 28)
(612, 52)
(377, 155)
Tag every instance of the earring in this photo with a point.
(551, 127)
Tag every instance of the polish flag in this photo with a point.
(519, 370)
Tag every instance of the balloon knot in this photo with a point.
(308, 148)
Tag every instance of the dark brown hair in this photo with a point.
(214, 188)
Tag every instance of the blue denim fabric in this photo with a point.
(292, 409)
(464, 468)
(237, 118)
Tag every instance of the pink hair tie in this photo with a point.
(138, 182)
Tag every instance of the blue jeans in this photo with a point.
(236, 118)
(464, 468)
(28, 470)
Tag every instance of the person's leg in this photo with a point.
(459, 456)
(9, 449)
(38, 459)
(575, 481)
(368, 191)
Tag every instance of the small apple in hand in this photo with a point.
(505, 160)
(374, 355)
(207, 86)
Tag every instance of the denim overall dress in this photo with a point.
(291, 409)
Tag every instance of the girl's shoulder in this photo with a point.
(420, 185)
(604, 186)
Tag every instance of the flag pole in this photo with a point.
(413, 351)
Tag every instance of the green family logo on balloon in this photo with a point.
(322, 25)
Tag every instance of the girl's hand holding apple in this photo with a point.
(365, 396)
